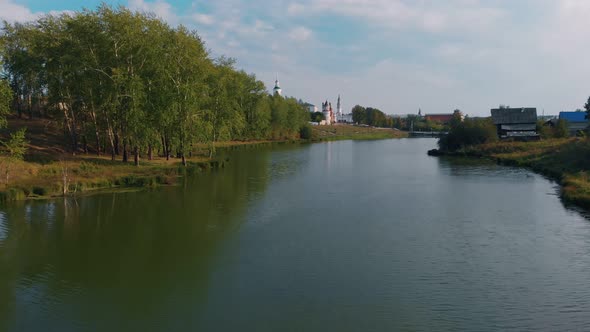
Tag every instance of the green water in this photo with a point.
(339, 236)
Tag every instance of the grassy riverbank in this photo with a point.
(84, 174)
(565, 160)
(347, 132)
(49, 171)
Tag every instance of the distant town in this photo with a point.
(519, 123)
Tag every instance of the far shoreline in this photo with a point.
(47, 171)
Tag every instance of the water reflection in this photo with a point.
(347, 236)
(137, 254)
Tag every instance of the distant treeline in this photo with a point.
(375, 117)
(124, 82)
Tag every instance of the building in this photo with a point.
(340, 116)
(310, 107)
(516, 123)
(328, 112)
(576, 121)
(277, 89)
(444, 118)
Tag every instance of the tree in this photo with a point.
(5, 101)
(127, 82)
(317, 116)
(467, 133)
(587, 108)
(359, 114)
(15, 149)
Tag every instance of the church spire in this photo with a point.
(277, 89)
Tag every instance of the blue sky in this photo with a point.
(397, 55)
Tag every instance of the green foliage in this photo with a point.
(127, 81)
(561, 129)
(467, 133)
(317, 117)
(587, 108)
(16, 146)
(287, 117)
(5, 101)
(359, 115)
(558, 130)
(305, 132)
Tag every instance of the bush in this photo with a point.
(40, 191)
(305, 132)
(469, 132)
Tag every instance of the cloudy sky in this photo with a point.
(396, 55)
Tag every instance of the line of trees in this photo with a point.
(370, 116)
(126, 83)
(376, 118)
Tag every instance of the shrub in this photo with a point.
(469, 132)
(305, 132)
(40, 191)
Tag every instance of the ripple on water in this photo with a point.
(3, 227)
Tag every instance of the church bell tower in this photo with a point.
(277, 89)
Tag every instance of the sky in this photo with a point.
(395, 55)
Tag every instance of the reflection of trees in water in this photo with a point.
(482, 167)
(130, 254)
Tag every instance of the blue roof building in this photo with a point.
(573, 116)
(576, 121)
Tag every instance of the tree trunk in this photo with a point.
(111, 136)
(30, 105)
(136, 155)
(117, 144)
(125, 155)
(85, 144)
(96, 132)
(167, 148)
(150, 152)
(183, 159)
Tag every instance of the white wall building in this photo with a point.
(311, 108)
(340, 116)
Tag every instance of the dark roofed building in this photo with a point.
(576, 121)
(517, 123)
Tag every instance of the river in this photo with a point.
(338, 236)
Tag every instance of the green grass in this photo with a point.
(350, 132)
(29, 180)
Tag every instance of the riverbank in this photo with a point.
(49, 171)
(84, 174)
(351, 132)
(563, 160)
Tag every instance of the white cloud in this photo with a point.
(161, 8)
(396, 14)
(300, 34)
(203, 19)
(295, 9)
(12, 12)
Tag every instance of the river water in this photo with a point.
(339, 236)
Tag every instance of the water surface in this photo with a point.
(339, 236)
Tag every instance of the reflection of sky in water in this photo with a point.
(40, 212)
(3, 230)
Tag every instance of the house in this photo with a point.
(310, 107)
(576, 121)
(516, 123)
(443, 118)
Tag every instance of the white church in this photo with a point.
(330, 117)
